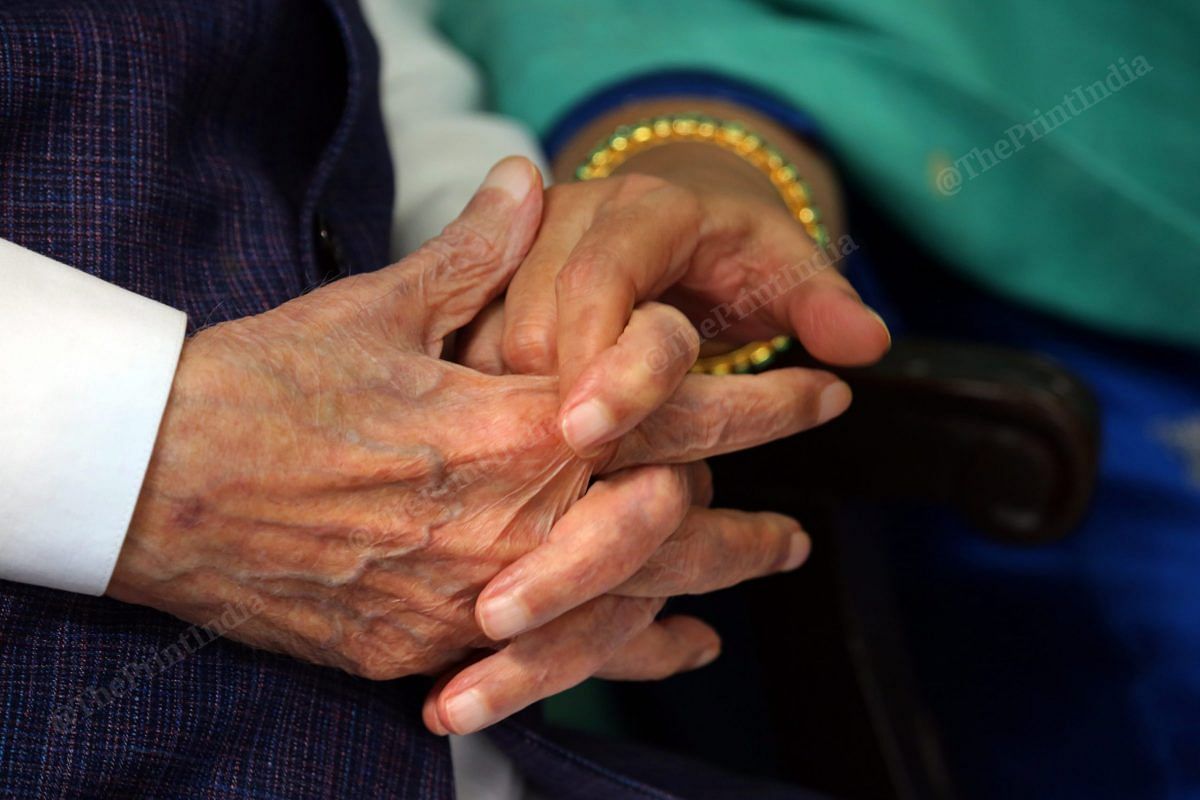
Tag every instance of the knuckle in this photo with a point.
(529, 346)
(700, 555)
(540, 678)
(578, 278)
(673, 330)
(709, 430)
(672, 573)
(620, 562)
(461, 250)
(372, 662)
(665, 495)
(562, 195)
(377, 671)
(684, 201)
(637, 184)
(632, 614)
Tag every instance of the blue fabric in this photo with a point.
(1069, 670)
(575, 766)
(694, 83)
(182, 149)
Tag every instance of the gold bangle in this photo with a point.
(629, 140)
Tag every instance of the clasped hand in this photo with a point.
(394, 513)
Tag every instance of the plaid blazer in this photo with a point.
(189, 150)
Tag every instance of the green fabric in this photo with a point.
(1098, 219)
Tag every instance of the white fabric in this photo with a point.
(483, 772)
(441, 143)
(85, 370)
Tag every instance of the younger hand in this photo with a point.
(694, 226)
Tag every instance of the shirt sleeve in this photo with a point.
(85, 371)
(440, 141)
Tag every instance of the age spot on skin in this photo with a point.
(187, 514)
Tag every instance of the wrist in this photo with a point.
(706, 166)
(148, 556)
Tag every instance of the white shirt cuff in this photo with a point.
(85, 371)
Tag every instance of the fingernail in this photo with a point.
(467, 712)
(586, 424)
(798, 550)
(513, 176)
(882, 324)
(835, 398)
(706, 658)
(503, 617)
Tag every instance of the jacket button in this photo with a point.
(331, 260)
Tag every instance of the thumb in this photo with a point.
(454, 275)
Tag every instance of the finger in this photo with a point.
(531, 314)
(814, 301)
(797, 290)
(478, 345)
(833, 323)
(600, 542)
(543, 662)
(631, 253)
(429, 713)
(718, 548)
(450, 278)
(629, 380)
(709, 415)
(669, 646)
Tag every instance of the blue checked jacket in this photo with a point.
(192, 151)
